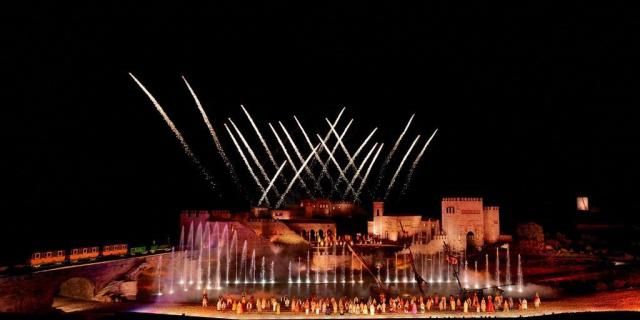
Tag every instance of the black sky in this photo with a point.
(534, 105)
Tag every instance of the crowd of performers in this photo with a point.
(371, 305)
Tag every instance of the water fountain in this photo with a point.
(520, 279)
(308, 268)
(361, 268)
(475, 267)
(431, 268)
(396, 268)
(466, 278)
(252, 269)
(299, 267)
(353, 279)
(498, 267)
(199, 266)
(159, 276)
(486, 270)
(387, 269)
(335, 264)
(289, 279)
(243, 262)
(404, 270)
(344, 270)
(508, 271)
(263, 271)
(173, 271)
(272, 275)
(187, 264)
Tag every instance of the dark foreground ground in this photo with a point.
(620, 304)
(604, 315)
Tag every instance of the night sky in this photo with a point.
(534, 106)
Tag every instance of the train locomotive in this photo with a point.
(87, 254)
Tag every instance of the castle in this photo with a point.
(465, 222)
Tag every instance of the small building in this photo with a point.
(396, 226)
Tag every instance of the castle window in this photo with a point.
(451, 210)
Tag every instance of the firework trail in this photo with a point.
(342, 176)
(415, 162)
(330, 152)
(264, 194)
(355, 176)
(253, 155)
(177, 134)
(306, 137)
(325, 171)
(295, 149)
(355, 198)
(395, 175)
(216, 141)
(286, 153)
(246, 162)
(355, 155)
(264, 143)
(296, 177)
(393, 150)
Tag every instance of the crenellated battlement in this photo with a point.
(474, 199)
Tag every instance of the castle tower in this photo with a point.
(463, 221)
(378, 208)
(491, 224)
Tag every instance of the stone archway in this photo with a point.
(77, 287)
(471, 240)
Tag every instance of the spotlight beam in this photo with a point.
(367, 173)
(246, 162)
(336, 162)
(214, 135)
(395, 175)
(416, 161)
(355, 176)
(253, 155)
(291, 163)
(176, 133)
(264, 143)
(296, 176)
(264, 194)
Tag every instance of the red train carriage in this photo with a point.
(39, 259)
(114, 250)
(87, 253)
